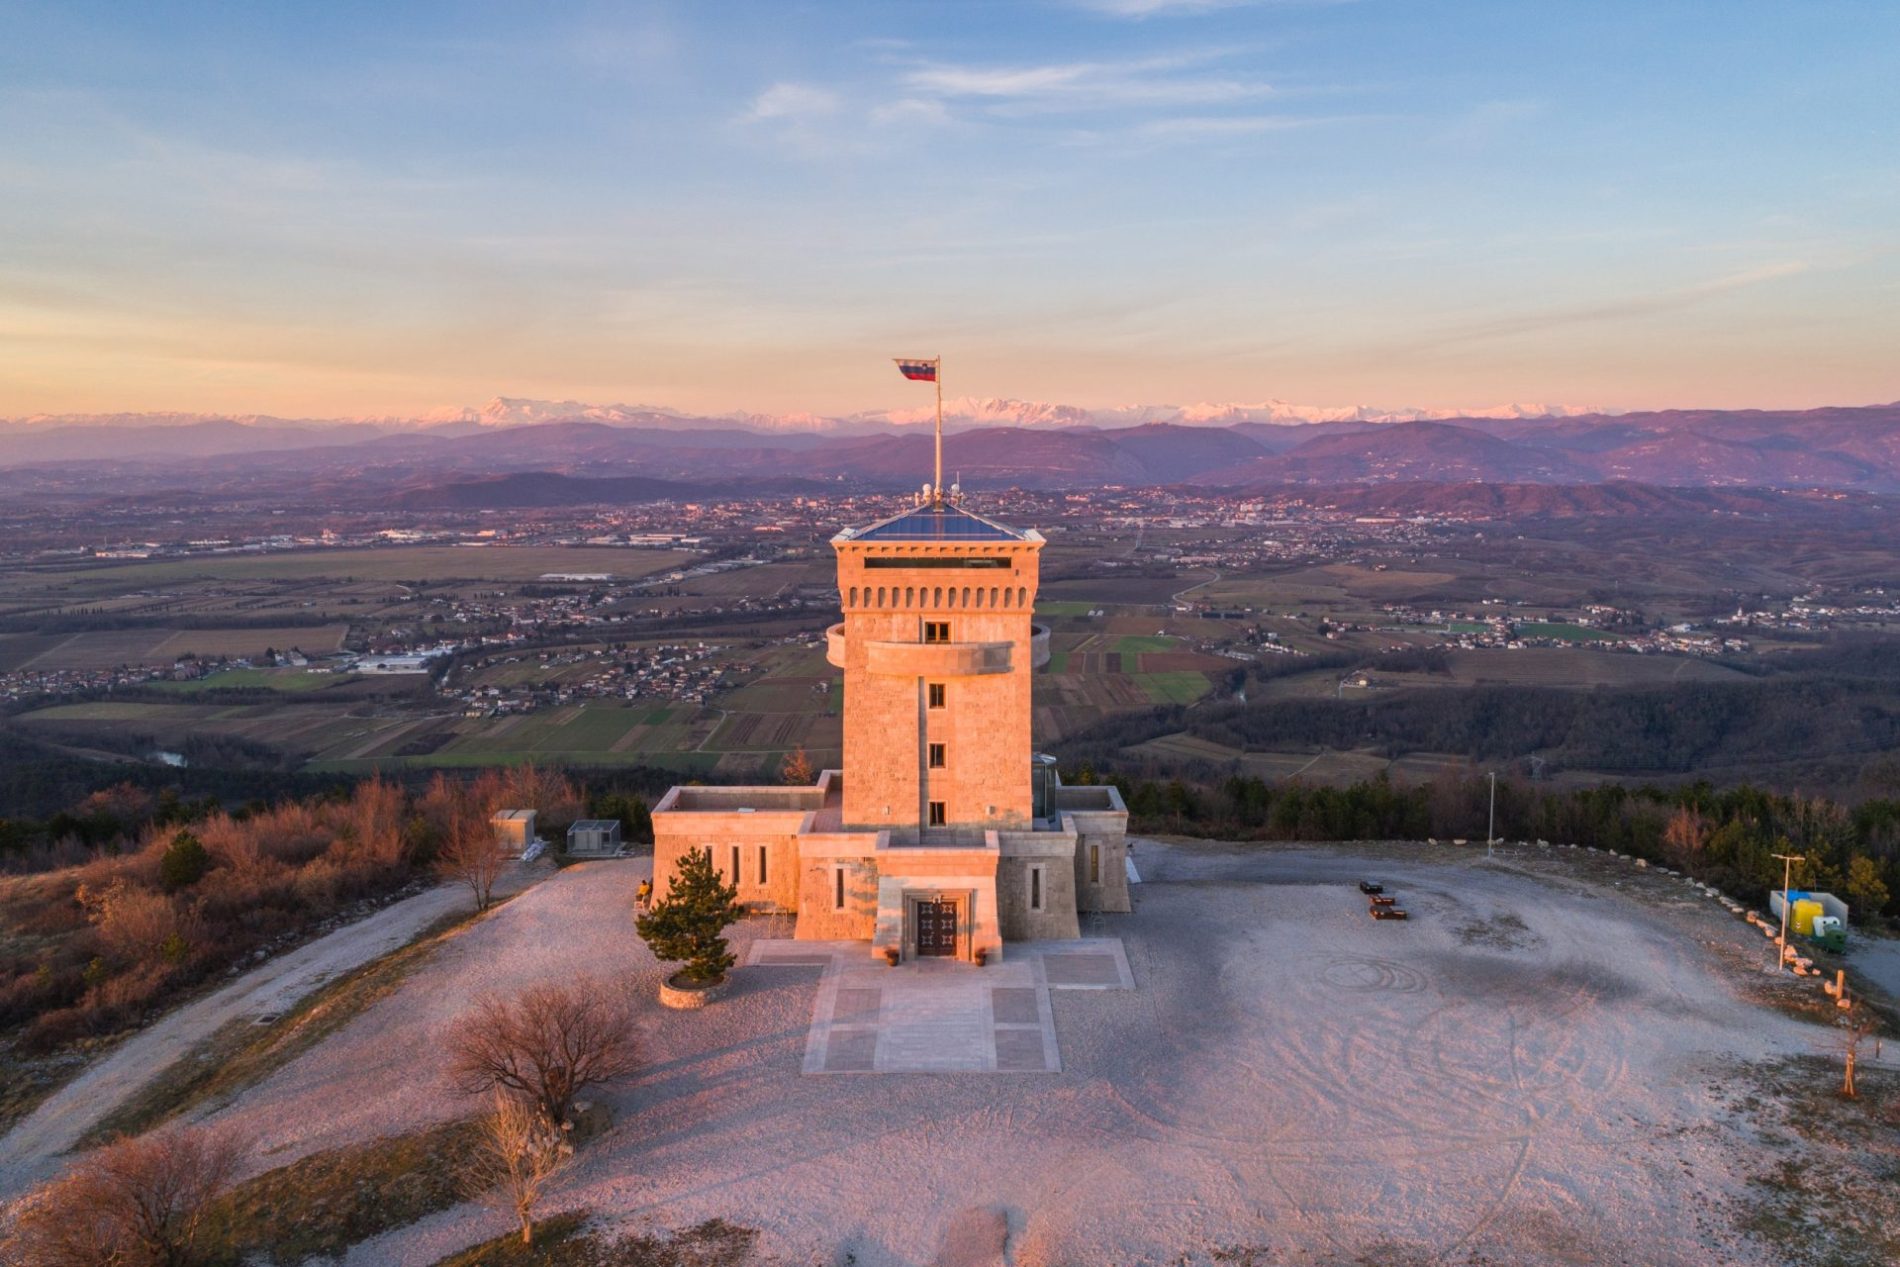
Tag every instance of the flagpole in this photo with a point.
(938, 486)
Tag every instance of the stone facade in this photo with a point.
(936, 838)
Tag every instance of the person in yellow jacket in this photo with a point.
(644, 895)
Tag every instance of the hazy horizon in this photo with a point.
(361, 211)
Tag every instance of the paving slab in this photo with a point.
(944, 1016)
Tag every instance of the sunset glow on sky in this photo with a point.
(368, 209)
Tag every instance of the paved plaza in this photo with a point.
(943, 1016)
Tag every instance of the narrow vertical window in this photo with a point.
(761, 879)
(938, 755)
(937, 694)
(837, 888)
(854, 596)
(880, 596)
(734, 877)
(910, 596)
(937, 815)
(1095, 864)
(1035, 887)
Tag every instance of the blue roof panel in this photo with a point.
(937, 523)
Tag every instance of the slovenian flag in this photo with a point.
(919, 371)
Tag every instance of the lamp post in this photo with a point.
(1491, 831)
(1787, 869)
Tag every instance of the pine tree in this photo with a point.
(686, 925)
(183, 863)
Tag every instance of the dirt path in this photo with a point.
(31, 1151)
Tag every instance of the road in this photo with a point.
(31, 1151)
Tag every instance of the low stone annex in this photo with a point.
(944, 835)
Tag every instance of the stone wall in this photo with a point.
(775, 833)
(1101, 859)
(985, 723)
(822, 856)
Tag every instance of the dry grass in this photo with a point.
(324, 1203)
(564, 1241)
(1828, 1193)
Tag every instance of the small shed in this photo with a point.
(514, 828)
(594, 838)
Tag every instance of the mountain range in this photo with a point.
(1833, 448)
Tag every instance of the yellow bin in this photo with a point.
(1805, 911)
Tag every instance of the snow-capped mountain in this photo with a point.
(963, 412)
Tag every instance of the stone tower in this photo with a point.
(937, 646)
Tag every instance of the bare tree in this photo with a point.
(519, 1153)
(547, 1044)
(1855, 1025)
(473, 855)
(134, 1203)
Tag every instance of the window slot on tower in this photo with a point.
(762, 849)
(954, 562)
(936, 694)
(937, 756)
(837, 888)
(734, 877)
(937, 816)
(1035, 886)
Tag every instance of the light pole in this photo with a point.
(1491, 831)
(1787, 868)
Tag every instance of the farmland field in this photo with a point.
(293, 680)
(1568, 632)
(392, 563)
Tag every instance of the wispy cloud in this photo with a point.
(1625, 308)
(793, 101)
(1182, 79)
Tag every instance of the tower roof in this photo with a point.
(940, 522)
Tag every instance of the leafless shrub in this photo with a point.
(1853, 1028)
(135, 1203)
(547, 1044)
(520, 1152)
(136, 925)
(472, 855)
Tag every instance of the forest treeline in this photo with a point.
(1726, 837)
(1841, 704)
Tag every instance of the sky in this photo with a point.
(368, 209)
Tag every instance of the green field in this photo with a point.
(1567, 632)
(295, 681)
(1173, 688)
(1062, 607)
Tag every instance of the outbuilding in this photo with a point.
(594, 838)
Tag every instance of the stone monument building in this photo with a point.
(944, 835)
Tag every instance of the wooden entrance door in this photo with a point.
(937, 926)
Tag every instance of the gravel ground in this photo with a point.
(1535, 1068)
(30, 1152)
(1878, 958)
